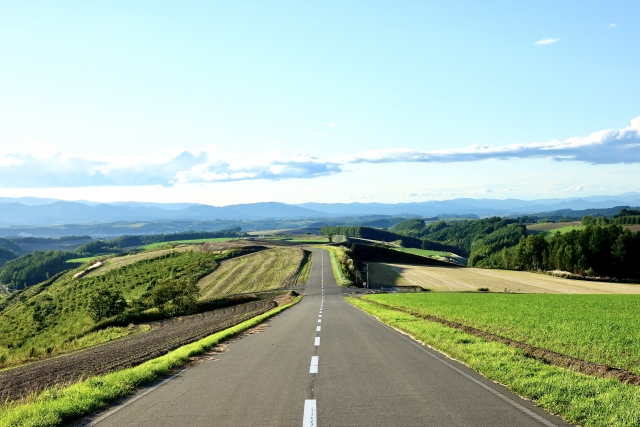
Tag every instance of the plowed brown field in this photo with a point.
(123, 353)
(470, 279)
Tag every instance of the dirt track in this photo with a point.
(123, 353)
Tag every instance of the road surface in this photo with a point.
(325, 363)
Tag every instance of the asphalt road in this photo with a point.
(324, 362)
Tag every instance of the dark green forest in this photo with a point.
(605, 251)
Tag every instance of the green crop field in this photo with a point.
(81, 260)
(424, 252)
(596, 328)
(264, 270)
(584, 400)
(194, 241)
(115, 262)
(53, 318)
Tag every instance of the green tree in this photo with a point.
(105, 304)
(175, 297)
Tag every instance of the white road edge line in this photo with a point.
(316, 342)
(470, 378)
(313, 368)
(309, 419)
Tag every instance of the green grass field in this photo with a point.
(320, 240)
(424, 252)
(81, 260)
(563, 230)
(580, 399)
(260, 271)
(194, 241)
(596, 328)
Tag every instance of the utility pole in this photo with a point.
(366, 283)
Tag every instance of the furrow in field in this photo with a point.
(270, 269)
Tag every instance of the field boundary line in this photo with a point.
(551, 357)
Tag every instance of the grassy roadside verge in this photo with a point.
(339, 270)
(54, 407)
(580, 399)
(304, 273)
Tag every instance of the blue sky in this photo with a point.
(234, 102)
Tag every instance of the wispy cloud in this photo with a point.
(546, 41)
(612, 25)
(41, 169)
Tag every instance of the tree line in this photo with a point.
(605, 251)
(603, 248)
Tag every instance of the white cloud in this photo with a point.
(182, 166)
(546, 41)
(612, 25)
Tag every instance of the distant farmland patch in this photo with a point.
(565, 227)
(194, 241)
(121, 261)
(269, 269)
(441, 255)
(471, 279)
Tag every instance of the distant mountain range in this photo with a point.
(39, 212)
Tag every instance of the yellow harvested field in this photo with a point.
(268, 269)
(470, 279)
(121, 261)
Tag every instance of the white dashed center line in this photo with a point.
(309, 419)
(313, 369)
(316, 342)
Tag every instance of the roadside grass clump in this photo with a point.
(595, 328)
(341, 264)
(260, 271)
(56, 407)
(303, 277)
(581, 399)
(54, 317)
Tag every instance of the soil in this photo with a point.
(123, 353)
(550, 357)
